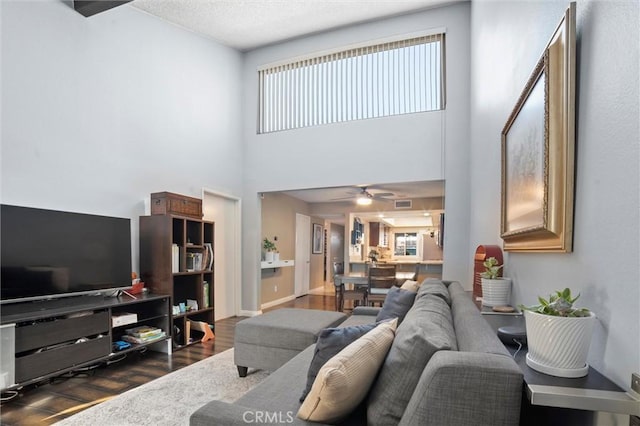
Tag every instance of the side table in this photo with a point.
(590, 400)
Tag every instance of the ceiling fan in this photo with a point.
(365, 198)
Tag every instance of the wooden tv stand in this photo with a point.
(52, 337)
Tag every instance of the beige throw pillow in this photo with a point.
(344, 381)
(410, 285)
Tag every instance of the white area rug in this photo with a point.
(171, 399)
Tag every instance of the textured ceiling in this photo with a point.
(248, 24)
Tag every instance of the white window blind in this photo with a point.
(384, 79)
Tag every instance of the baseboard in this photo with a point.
(278, 301)
(244, 313)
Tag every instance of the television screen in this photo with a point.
(47, 253)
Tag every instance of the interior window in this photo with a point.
(378, 80)
(405, 244)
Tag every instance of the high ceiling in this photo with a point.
(248, 24)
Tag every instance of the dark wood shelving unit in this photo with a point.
(158, 234)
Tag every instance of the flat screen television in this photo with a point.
(49, 254)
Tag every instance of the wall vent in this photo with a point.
(403, 204)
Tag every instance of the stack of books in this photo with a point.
(143, 334)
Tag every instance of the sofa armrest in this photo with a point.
(366, 310)
(224, 413)
(458, 388)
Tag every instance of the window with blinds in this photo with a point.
(384, 79)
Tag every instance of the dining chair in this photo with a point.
(358, 295)
(417, 272)
(381, 279)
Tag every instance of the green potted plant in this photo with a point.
(558, 335)
(373, 256)
(270, 250)
(496, 290)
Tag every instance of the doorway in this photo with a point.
(336, 247)
(224, 210)
(303, 255)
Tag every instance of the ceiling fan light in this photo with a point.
(363, 201)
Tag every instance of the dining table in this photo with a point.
(360, 280)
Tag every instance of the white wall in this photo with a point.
(360, 151)
(99, 112)
(507, 39)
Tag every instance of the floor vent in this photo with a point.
(403, 204)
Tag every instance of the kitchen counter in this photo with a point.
(402, 262)
(427, 269)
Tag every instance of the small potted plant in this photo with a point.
(496, 290)
(270, 250)
(558, 335)
(373, 256)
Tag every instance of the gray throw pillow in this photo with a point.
(435, 287)
(330, 342)
(427, 328)
(397, 304)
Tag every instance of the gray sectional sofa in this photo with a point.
(445, 367)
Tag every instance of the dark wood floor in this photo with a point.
(64, 396)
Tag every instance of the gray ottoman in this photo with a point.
(269, 340)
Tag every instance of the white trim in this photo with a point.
(237, 258)
(277, 302)
(390, 39)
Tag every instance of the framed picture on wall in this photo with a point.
(538, 150)
(317, 239)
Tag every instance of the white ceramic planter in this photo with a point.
(269, 256)
(496, 292)
(559, 346)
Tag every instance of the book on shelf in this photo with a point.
(205, 294)
(144, 331)
(175, 258)
(139, 340)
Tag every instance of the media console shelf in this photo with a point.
(52, 337)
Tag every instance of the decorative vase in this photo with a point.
(269, 256)
(276, 256)
(559, 346)
(496, 292)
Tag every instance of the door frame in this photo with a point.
(237, 238)
(298, 287)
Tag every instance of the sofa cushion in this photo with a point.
(410, 285)
(344, 381)
(435, 287)
(330, 342)
(427, 328)
(397, 304)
